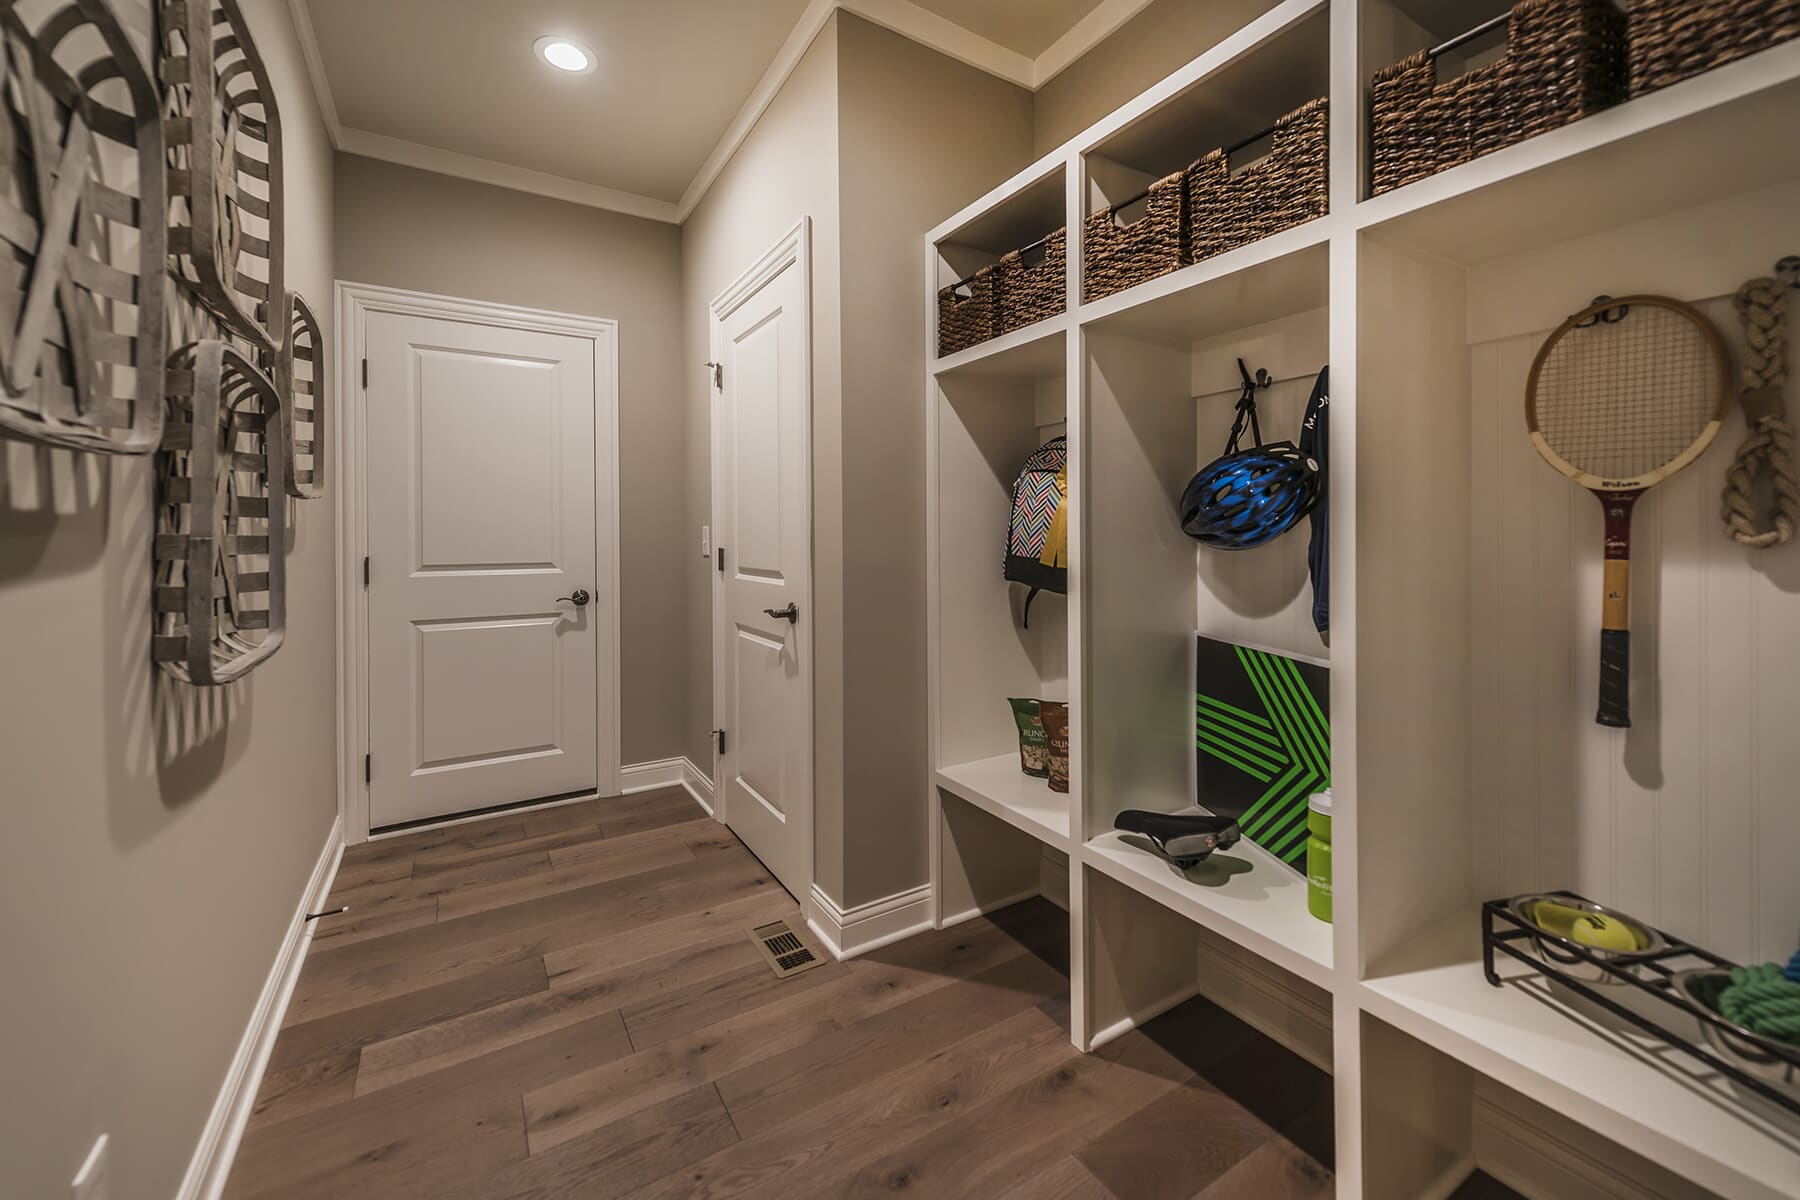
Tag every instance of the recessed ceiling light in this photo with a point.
(564, 55)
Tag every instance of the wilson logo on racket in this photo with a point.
(1624, 394)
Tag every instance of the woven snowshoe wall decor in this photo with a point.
(82, 298)
(224, 136)
(299, 374)
(221, 525)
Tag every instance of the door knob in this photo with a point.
(790, 614)
(579, 599)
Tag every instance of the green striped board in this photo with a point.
(1262, 741)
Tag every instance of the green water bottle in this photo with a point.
(1318, 855)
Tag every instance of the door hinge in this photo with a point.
(365, 369)
(719, 735)
(365, 572)
(368, 768)
(718, 374)
(720, 552)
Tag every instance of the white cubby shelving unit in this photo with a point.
(1465, 587)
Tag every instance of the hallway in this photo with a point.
(565, 1003)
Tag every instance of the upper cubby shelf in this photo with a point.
(1278, 277)
(1033, 353)
(999, 270)
(1026, 207)
(1284, 63)
(1678, 148)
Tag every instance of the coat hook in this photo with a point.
(1262, 378)
(1608, 316)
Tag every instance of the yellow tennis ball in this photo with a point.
(1603, 932)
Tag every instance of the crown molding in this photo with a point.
(899, 16)
(499, 174)
(315, 68)
(1090, 31)
(946, 37)
(786, 59)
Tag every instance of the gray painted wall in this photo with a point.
(399, 227)
(158, 836)
(855, 139)
(900, 176)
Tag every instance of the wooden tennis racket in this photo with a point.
(1623, 395)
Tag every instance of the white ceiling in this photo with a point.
(460, 75)
(453, 85)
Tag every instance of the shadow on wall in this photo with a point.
(64, 514)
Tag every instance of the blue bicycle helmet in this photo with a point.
(1249, 498)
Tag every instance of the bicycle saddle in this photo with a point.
(1184, 838)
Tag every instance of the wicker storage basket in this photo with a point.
(1565, 59)
(1115, 256)
(1288, 188)
(966, 312)
(1673, 39)
(1032, 285)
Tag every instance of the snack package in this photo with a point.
(1055, 716)
(1034, 746)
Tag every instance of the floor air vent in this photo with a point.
(785, 952)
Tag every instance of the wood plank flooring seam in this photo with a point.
(715, 1087)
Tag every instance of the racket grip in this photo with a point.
(1615, 678)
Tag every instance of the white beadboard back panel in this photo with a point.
(1689, 819)
(987, 428)
(1262, 597)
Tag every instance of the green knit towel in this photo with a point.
(1762, 1001)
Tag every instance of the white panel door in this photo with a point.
(764, 533)
(483, 684)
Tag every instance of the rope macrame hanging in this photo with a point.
(1762, 306)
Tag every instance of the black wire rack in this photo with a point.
(1505, 932)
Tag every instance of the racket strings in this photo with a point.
(1626, 397)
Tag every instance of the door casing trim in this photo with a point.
(354, 303)
(793, 248)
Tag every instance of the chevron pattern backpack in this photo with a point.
(1037, 537)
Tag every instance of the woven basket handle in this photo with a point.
(1463, 39)
(1117, 211)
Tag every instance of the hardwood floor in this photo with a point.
(566, 1004)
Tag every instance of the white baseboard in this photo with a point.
(1449, 1180)
(699, 786)
(850, 932)
(667, 772)
(1526, 1146)
(211, 1163)
(1281, 1006)
(1143, 1016)
(647, 776)
(946, 920)
(1053, 877)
